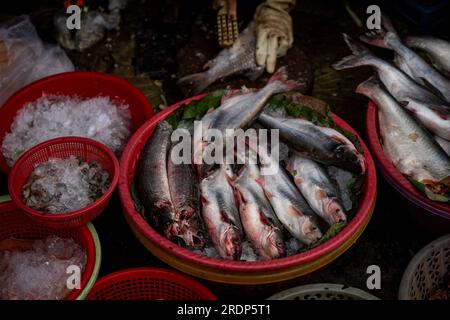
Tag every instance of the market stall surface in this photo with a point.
(159, 41)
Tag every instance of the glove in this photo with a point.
(273, 31)
(231, 7)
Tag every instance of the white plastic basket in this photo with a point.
(426, 270)
(323, 291)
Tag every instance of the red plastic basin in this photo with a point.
(239, 272)
(435, 216)
(80, 83)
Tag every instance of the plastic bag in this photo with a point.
(24, 58)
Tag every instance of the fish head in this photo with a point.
(310, 232)
(191, 235)
(350, 158)
(230, 244)
(273, 245)
(335, 212)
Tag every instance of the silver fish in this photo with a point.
(186, 202)
(258, 219)
(408, 60)
(237, 112)
(432, 111)
(315, 185)
(445, 144)
(239, 58)
(220, 214)
(409, 146)
(438, 51)
(321, 144)
(287, 202)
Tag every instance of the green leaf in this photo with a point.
(332, 231)
(195, 110)
(432, 196)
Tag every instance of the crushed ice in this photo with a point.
(53, 116)
(64, 185)
(39, 273)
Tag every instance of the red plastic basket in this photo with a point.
(87, 149)
(148, 284)
(82, 84)
(392, 175)
(14, 223)
(237, 271)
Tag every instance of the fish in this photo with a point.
(237, 112)
(258, 218)
(408, 60)
(437, 50)
(432, 111)
(316, 187)
(240, 58)
(322, 144)
(289, 205)
(411, 148)
(220, 213)
(186, 202)
(153, 181)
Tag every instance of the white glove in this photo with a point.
(273, 31)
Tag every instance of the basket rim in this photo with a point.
(325, 288)
(392, 175)
(412, 265)
(151, 272)
(366, 202)
(46, 81)
(17, 199)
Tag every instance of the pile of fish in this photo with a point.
(413, 101)
(228, 204)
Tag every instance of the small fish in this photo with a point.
(321, 144)
(220, 214)
(408, 60)
(432, 111)
(315, 185)
(186, 202)
(289, 205)
(410, 147)
(437, 50)
(237, 112)
(258, 219)
(240, 58)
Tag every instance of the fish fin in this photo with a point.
(197, 81)
(375, 38)
(365, 87)
(254, 74)
(432, 88)
(358, 58)
(281, 75)
(403, 103)
(208, 64)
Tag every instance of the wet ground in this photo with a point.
(159, 41)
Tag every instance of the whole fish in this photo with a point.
(409, 146)
(315, 185)
(258, 219)
(432, 111)
(321, 144)
(238, 59)
(220, 214)
(409, 61)
(153, 182)
(186, 202)
(437, 50)
(237, 112)
(287, 202)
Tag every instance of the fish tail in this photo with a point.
(281, 76)
(367, 87)
(360, 55)
(197, 81)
